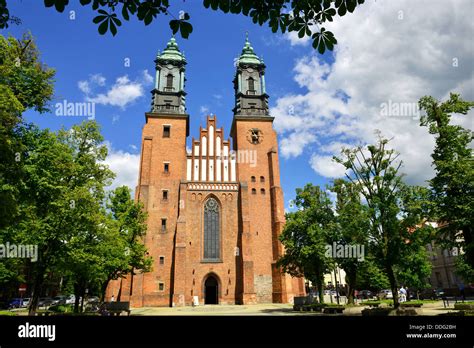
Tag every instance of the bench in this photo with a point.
(115, 308)
(446, 300)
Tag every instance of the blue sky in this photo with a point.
(320, 102)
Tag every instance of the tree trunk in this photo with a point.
(37, 287)
(77, 293)
(319, 281)
(351, 277)
(393, 286)
(82, 300)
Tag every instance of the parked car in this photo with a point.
(45, 301)
(93, 299)
(26, 302)
(365, 295)
(71, 299)
(385, 294)
(59, 300)
(15, 303)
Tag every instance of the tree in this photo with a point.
(129, 220)
(414, 267)
(453, 184)
(25, 83)
(303, 16)
(374, 170)
(352, 229)
(305, 236)
(61, 192)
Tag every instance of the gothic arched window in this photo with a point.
(211, 230)
(169, 81)
(251, 84)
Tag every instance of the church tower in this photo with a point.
(169, 95)
(262, 202)
(162, 167)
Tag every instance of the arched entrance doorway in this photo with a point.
(211, 290)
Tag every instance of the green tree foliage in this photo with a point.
(393, 209)
(352, 229)
(25, 83)
(306, 235)
(370, 276)
(80, 232)
(453, 184)
(52, 187)
(129, 221)
(414, 267)
(61, 194)
(303, 16)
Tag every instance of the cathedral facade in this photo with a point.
(215, 210)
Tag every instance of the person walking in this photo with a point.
(403, 294)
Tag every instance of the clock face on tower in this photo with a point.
(254, 136)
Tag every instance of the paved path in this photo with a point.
(259, 309)
(264, 309)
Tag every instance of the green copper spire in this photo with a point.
(171, 52)
(248, 56)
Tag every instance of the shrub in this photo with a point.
(61, 309)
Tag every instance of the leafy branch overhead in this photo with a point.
(305, 17)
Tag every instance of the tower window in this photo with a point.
(161, 286)
(163, 225)
(211, 230)
(166, 168)
(262, 191)
(162, 260)
(251, 84)
(169, 81)
(262, 179)
(254, 191)
(165, 195)
(166, 131)
(253, 179)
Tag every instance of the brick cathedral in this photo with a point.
(215, 211)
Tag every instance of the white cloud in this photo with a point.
(326, 167)
(293, 145)
(98, 79)
(122, 93)
(125, 165)
(292, 36)
(147, 78)
(204, 109)
(84, 86)
(379, 57)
